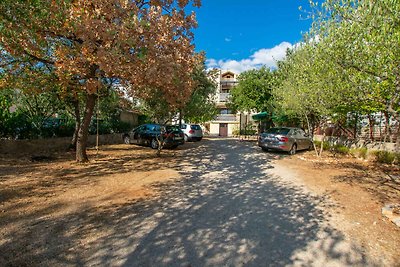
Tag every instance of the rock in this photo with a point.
(396, 221)
(389, 212)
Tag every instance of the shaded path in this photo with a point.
(229, 210)
(232, 207)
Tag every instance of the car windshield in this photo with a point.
(195, 127)
(283, 131)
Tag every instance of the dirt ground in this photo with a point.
(360, 189)
(38, 194)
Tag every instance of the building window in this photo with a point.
(225, 111)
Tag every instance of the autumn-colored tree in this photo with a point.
(143, 44)
(199, 107)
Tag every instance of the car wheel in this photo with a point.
(200, 138)
(186, 138)
(292, 151)
(154, 144)
(264, 149)
(127, 140)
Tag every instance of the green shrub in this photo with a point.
(326, 145)
(386, 157)
(120, 126)
(317, 144)
(359, 152)
(341, 149)
(248, 132)
(398, 158)
(236, 132)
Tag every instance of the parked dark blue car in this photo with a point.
(147, 134)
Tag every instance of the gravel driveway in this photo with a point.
(232, 208)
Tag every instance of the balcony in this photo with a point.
(223, 97)
(228, 80)
(228, 84)
(225, 117)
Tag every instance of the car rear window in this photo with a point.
(283, 131)
(172, 128)
(195, 127)
(154, 128)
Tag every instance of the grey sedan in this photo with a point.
(289, 139)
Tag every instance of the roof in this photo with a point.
(228, 73)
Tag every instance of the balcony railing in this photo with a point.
(223, 97)
(228, 84)
(228, 80)
(225, 117)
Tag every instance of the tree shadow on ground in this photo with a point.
(227, 210)
(381, 185)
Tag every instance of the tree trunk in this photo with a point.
(396, 116)
(180, 118)
(388, 132)
(355, 126)
(83, 132)
(371, 122)
(77, 115)
(322, 145)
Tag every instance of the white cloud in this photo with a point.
(263, 57)
(227, 39)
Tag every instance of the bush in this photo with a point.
(236, 132)
(359, 152)
(335, 149)
(341, 149)
(386, 157)
(248, 132)
(120, 126)
(326, 145)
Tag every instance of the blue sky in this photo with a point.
(240, 35)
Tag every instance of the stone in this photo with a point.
(387, 210)
(396, 221)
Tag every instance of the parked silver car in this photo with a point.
(192, 132)
(287, 139)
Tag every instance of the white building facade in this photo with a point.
(227, 122)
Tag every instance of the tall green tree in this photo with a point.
(201, 105)
(361, 39)
(253, 91)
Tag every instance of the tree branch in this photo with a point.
(43, 60)
(355, 67)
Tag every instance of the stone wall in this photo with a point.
(370, 145)
(39, 146)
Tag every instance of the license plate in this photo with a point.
(178, 138)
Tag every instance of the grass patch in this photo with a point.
(361, 152)
(326, 145)
(387, 157)
(340, 149)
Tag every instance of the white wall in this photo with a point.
(214, 128)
